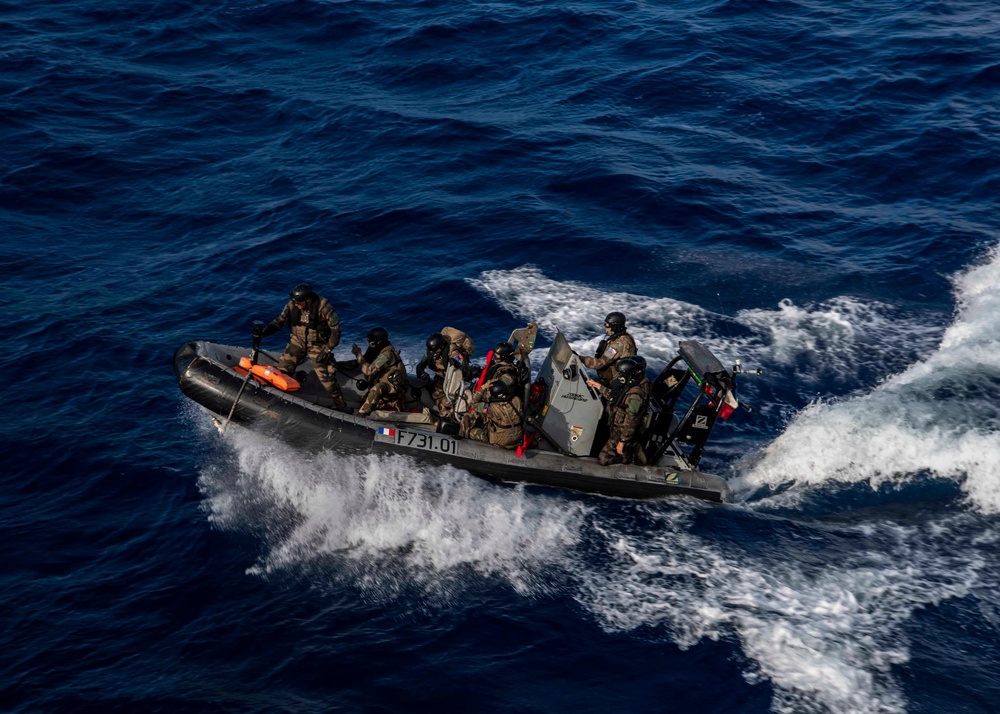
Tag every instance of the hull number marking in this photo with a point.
(427, 442)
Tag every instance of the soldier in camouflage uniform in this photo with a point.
(384, 368)
(450, 346)
(460, 348)
(626, 401)
(618, 345)
(501, 369)
(437, 359)
(315, 333)
(497, 420)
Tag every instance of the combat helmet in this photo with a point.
(302, 291)
(504, 351)
(627, 371)
(436, 343)
(499, 392)
(378, 337)
(615, 322)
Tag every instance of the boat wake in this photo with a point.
(820, 608)
(940, 417)
(839, 338)
(819, 611)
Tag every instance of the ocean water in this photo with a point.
(808, 187)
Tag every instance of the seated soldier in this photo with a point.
(626, 404)
(497, 420)
(448, 347)
(502, 368)
(385, 371)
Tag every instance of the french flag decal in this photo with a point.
(386, 431)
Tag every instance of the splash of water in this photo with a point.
(390, 521)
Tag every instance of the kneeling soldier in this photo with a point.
(384, 368)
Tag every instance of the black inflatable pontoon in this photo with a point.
(562, 412)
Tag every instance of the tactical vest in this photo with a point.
(621, 419)
(624, 346)
(393, 371)
(316, 331)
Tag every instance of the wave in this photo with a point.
(940, 417)
(840, 338)
(818, 610)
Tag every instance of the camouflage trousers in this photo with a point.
(632, 453)
(382, 395)
(326, 369)
(473, 426)
(477, 426)
(441, 401)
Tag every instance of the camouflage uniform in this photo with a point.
(498, 371)
(315, 333)
(497, 423)
(460, 346)
(438, 365)
(388, 373)
(626, 407)
(458, 351)
(608, 352)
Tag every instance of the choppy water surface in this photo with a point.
(808, 188)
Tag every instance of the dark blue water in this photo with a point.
(808, 187)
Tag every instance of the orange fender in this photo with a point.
(268, 375)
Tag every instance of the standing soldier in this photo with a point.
(626, 401)
(616, 346)
(498, 420)
(315, 333)
(384, 368)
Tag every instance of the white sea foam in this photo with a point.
(940, 416)
(825, 637)
(835, 336)
(430, 522)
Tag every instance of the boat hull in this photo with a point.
(206, 377)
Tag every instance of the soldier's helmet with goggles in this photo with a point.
(378, 337)
(504, 351)
(615, 322)
(627, 371)
(436, 343)
(302, 292)
(499, 392)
